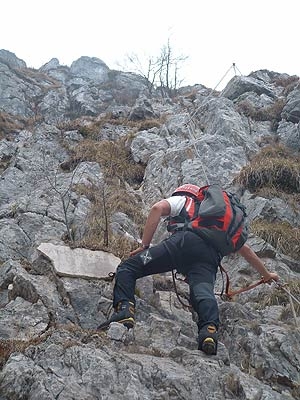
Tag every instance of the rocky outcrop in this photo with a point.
(240, 85)
(291, 110)
(49, 345)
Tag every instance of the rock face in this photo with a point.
(53, 296)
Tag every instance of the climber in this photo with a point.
(191, 255)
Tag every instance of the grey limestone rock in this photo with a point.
(49, 344)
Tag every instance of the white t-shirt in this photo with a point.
(176, 204)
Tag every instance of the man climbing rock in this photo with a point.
(190, 254)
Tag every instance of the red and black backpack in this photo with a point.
(215, 215)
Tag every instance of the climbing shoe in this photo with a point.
(124, 314)
(208, 340)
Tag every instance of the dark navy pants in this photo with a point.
(188, 254)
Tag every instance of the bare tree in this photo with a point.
(170, 67)
(63, 191)
(65, 198)
(105, 217)
(160, 71)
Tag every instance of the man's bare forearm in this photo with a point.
(256, 263)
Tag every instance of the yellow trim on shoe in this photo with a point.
(211, 329)
(128, 322)
(209, 346)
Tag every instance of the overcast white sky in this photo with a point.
(214, 34)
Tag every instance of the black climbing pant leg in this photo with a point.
(152, 261)
(203, 300)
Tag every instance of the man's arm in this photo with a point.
(256, 263)
(158, 210)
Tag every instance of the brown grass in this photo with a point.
(91, 128)
(118, 245)
(279, 297)
(9, 346)
(110, 195)
(106, 200)
(281, 235)
(114, 159)
(269, 192)
(36, 76)
(233, 386)
(75, 336)
(288, 83)
(10, 124)
(268, 113)
(275, 172)
(274, 167)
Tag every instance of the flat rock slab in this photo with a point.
(79, 262)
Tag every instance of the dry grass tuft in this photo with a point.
(91, 128)
(114, 159)
(293, 199)
(110, 195)
(281, 235)
(288, 83)
(71, 335)
(10, 124)
(275, 172)
(274, 167)
(279, 297)
(9, 346)
(118, 245)
(268, 113)
(233, 386)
